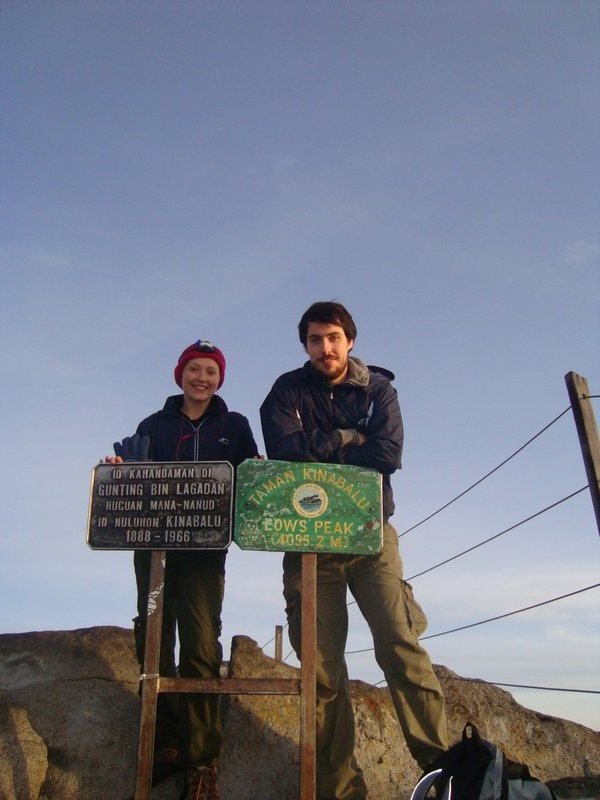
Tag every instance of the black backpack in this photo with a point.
(475, 769)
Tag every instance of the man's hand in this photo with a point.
(133, 448)
(350, 436)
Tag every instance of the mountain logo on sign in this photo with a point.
(310, 500)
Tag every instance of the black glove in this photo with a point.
(133, 448)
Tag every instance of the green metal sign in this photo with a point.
(308, 507)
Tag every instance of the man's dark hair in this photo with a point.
(327, 313)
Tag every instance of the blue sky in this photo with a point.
(176, 170)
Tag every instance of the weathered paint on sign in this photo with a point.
(308, 507)
(161, 506)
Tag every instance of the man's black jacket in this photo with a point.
(304, 418)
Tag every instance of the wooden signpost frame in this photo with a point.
(153, 683)
(337, 509)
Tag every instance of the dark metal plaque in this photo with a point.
(318, 508)
(154, 505)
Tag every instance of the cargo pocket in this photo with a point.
(417, 621)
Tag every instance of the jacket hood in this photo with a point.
(358, 372)
(383, 371)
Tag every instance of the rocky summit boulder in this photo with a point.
(69, 725)
(69, 713)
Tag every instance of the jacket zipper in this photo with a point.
(197, 438)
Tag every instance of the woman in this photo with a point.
(193, 426)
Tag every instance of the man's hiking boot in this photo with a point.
(200, 784)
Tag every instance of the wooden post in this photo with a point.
(587, 431)
(279, 642)
(308, 672)
(150, 678)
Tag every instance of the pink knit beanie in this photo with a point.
(201, 349)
